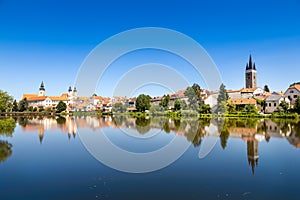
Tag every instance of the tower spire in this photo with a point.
(42, 87)
(250, 62)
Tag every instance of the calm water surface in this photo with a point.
(253, 159)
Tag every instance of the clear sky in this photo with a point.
(48, 40)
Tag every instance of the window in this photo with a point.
(292, 91)
(295, 96)
(274, 104)
(270, 105)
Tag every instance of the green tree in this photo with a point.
(250, 109)
(23, 105)
(231, 107)
(165, 102)
(15, 106)
(194, 96)
(143, 102)
(266, 88)
(61, 106)
(5, 101)
(284, 106)
(204, 109)
(119, 107)
(222, 99)
(297, 105)
(177, 105)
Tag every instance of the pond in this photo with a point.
(57, 158)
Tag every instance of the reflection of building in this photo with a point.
(252, 151)
(43, 125)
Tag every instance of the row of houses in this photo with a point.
(241, 98)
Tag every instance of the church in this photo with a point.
(250, 74)
(41, 100)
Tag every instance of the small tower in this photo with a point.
(75, 92)
(250, 74)
(70, 92)
(42, 90)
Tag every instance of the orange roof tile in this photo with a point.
(296, 86)
(242, 101)
(248, 89)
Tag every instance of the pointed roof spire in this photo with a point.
(42, 87)
(75, 89)
(254, 66)
(250, 62)
(70, 89)
(247, 66)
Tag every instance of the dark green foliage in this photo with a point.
(165, 102)
(297, 105)
(177, 105)
(143, 102)
(15, 106)
(204, 109)
(266, 88)
(284, 106)
(23, 105)
(61, 106)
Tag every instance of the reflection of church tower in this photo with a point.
(250, 74)
(252, 150)
(42, 90)
(41, 132)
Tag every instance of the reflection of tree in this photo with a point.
(223, 126)
(118, 120)
(61, 120)
(5, 150)
(22, 121)
(142, 125)
(177, 124)
(7, 126)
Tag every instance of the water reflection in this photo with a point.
(7, 127)
(253, 131)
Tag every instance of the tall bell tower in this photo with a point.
(42, 90)
(250, 74)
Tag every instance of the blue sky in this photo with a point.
(48, 40)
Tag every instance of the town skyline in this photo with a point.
(48, 41)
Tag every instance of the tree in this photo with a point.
(194, 96)
(23, 105)
(222, 99)
(165, 102)
(284, 106)
(250, 109)
(266, 88)
(177, 105)
(231, 107)
(204, 109)
(119, 107)
(61, 106)
(15, 106)
(297, 105)
(143, 102)
(5, 101)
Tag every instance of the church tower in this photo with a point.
(42, 90)
(250, 74)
